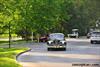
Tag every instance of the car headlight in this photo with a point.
(49, 42)
(63, 42)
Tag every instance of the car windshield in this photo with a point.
(58, 36)
(96, 33)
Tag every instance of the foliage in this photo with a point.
(45, 16)
(7, 56)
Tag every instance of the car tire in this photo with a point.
(92, 42)
(49, 49)
(64, 49)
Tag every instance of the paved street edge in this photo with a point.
(22, 53)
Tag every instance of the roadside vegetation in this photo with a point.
(7, 35)
(29, 17)
(8, 56)
(2, 42)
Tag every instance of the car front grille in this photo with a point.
(56, 42)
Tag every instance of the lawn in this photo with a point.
(12, 42)
(8, 56)
(15, 41)
(7, 35)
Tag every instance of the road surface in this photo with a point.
(79, 53)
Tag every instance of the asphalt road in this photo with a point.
(79, 53)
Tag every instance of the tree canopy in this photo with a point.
(45, 16)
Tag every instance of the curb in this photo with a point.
(22, 53)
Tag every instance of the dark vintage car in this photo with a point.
(56, 40)
(43, 39)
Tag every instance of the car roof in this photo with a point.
(56, 33)
(95, 31)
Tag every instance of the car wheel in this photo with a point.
(64, 49)
(49, 49)
(92, 42)
(99, 42)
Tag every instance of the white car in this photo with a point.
(56, 40)
(95, 37)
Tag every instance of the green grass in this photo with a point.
(7, 35)
(3, 42)
(12, 42)
(7, 56)
(16, 42)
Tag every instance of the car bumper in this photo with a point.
(56, 46)
(95, 39)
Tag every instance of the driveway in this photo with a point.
(79, 53)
